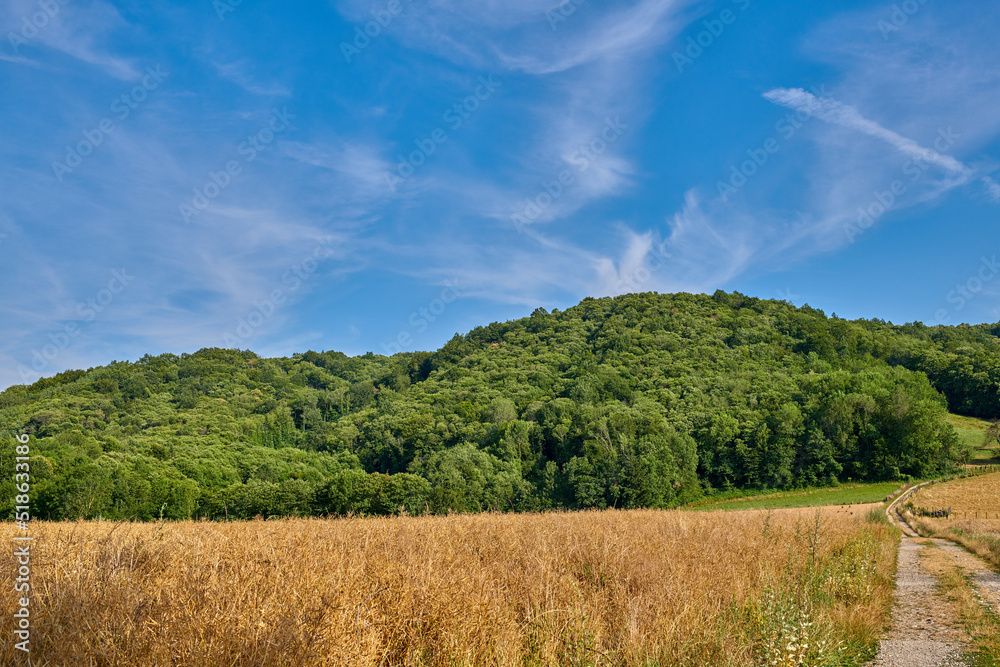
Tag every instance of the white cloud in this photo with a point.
(931, 79)
(359, 163)
(847, 116)
(519, 35)
(591, 68)
(18, 60)
(992, 187)
(80, 31)
(238, 73)
(612, 35)
(622, 276)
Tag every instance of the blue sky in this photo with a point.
(381, 175)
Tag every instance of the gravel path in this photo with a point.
(925, 631)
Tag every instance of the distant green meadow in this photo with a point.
(844, 495)
(972, 434)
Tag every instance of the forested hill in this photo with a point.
(644, 400)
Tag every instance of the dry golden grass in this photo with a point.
(588, 588)
(966, 497)
(980, 493)
(978, 624)
(980, 536)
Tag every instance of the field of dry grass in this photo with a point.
(644, 588)
(966, 497)
(968, 494)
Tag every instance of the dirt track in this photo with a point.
(926, 631)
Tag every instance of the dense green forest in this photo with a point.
(644, 400)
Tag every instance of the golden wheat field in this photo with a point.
(975, 519)
(980, 493)
(586, 588)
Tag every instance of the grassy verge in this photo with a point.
(981, 624)
(844, 495)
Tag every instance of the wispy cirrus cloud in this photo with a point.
(637, 212)
(83, 32)
(612, 35)
(931, 79)
(240, 73)
(361, 164)
(518, 35)
(592, 70)
(837, 113)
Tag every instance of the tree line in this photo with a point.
(643, 400)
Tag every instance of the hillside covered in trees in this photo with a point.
(644, 400)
